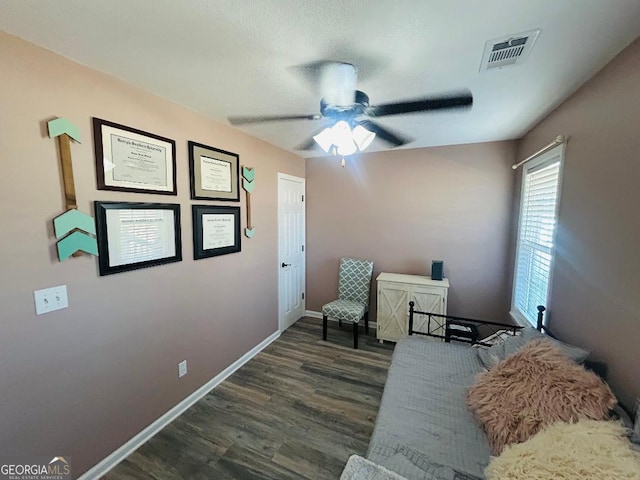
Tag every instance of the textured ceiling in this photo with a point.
(238, 57)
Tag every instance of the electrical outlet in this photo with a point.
(182, 369)
(50, 299)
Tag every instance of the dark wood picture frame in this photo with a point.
(213, 232)
(109, 265)
(215, 155)
(146, 142)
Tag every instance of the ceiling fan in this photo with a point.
(347, 111)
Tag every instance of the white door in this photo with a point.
(291, 250)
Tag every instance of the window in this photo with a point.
(536, 235)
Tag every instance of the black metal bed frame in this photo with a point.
(467, 330)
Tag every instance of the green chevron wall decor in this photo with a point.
(71, 220)
(248, 173)
(249, 184)
(81, 226)
(77, 242)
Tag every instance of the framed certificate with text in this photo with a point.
(134, 235)
(216, 230)
(130, 160)
(214, 173)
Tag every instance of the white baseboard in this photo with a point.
(134, 443)
(314, 314)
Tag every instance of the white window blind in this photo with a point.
(538, 217)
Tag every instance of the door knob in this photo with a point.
(285, 264)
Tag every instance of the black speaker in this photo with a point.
(437, 270)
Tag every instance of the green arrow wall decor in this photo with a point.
(248, 173)
(61, 126)
(77, 242)
(249, 184)
(72, 220)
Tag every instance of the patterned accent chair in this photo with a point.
(354, 285)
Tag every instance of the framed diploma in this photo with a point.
(214, 173)
(216, 230)
(130, 160)
(137, 235)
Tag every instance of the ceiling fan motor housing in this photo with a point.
(345, 112)
(338, 82)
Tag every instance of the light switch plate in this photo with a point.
(50, 299)
(182, 369)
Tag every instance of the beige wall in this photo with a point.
(402, 209)
(82, 381)
(595, 298)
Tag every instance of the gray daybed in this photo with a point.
(424, 429)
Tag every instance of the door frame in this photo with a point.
(286, 176)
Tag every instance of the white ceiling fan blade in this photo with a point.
(338, 83)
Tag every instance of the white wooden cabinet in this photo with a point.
(395, 291)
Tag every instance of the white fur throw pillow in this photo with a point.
(587, 450)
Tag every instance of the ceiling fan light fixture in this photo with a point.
(343, 138)
(324, 139)
(347, 148)
(362, 137)
(341, 133)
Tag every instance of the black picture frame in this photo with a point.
(134, 160)
(155, 240)
(198, 152)
(207, 232)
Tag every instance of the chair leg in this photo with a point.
(324, 327)
(339, 323)
(355, 335)
(366, 322)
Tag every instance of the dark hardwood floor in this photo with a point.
(297, 410)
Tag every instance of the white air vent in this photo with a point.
(505, 51)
